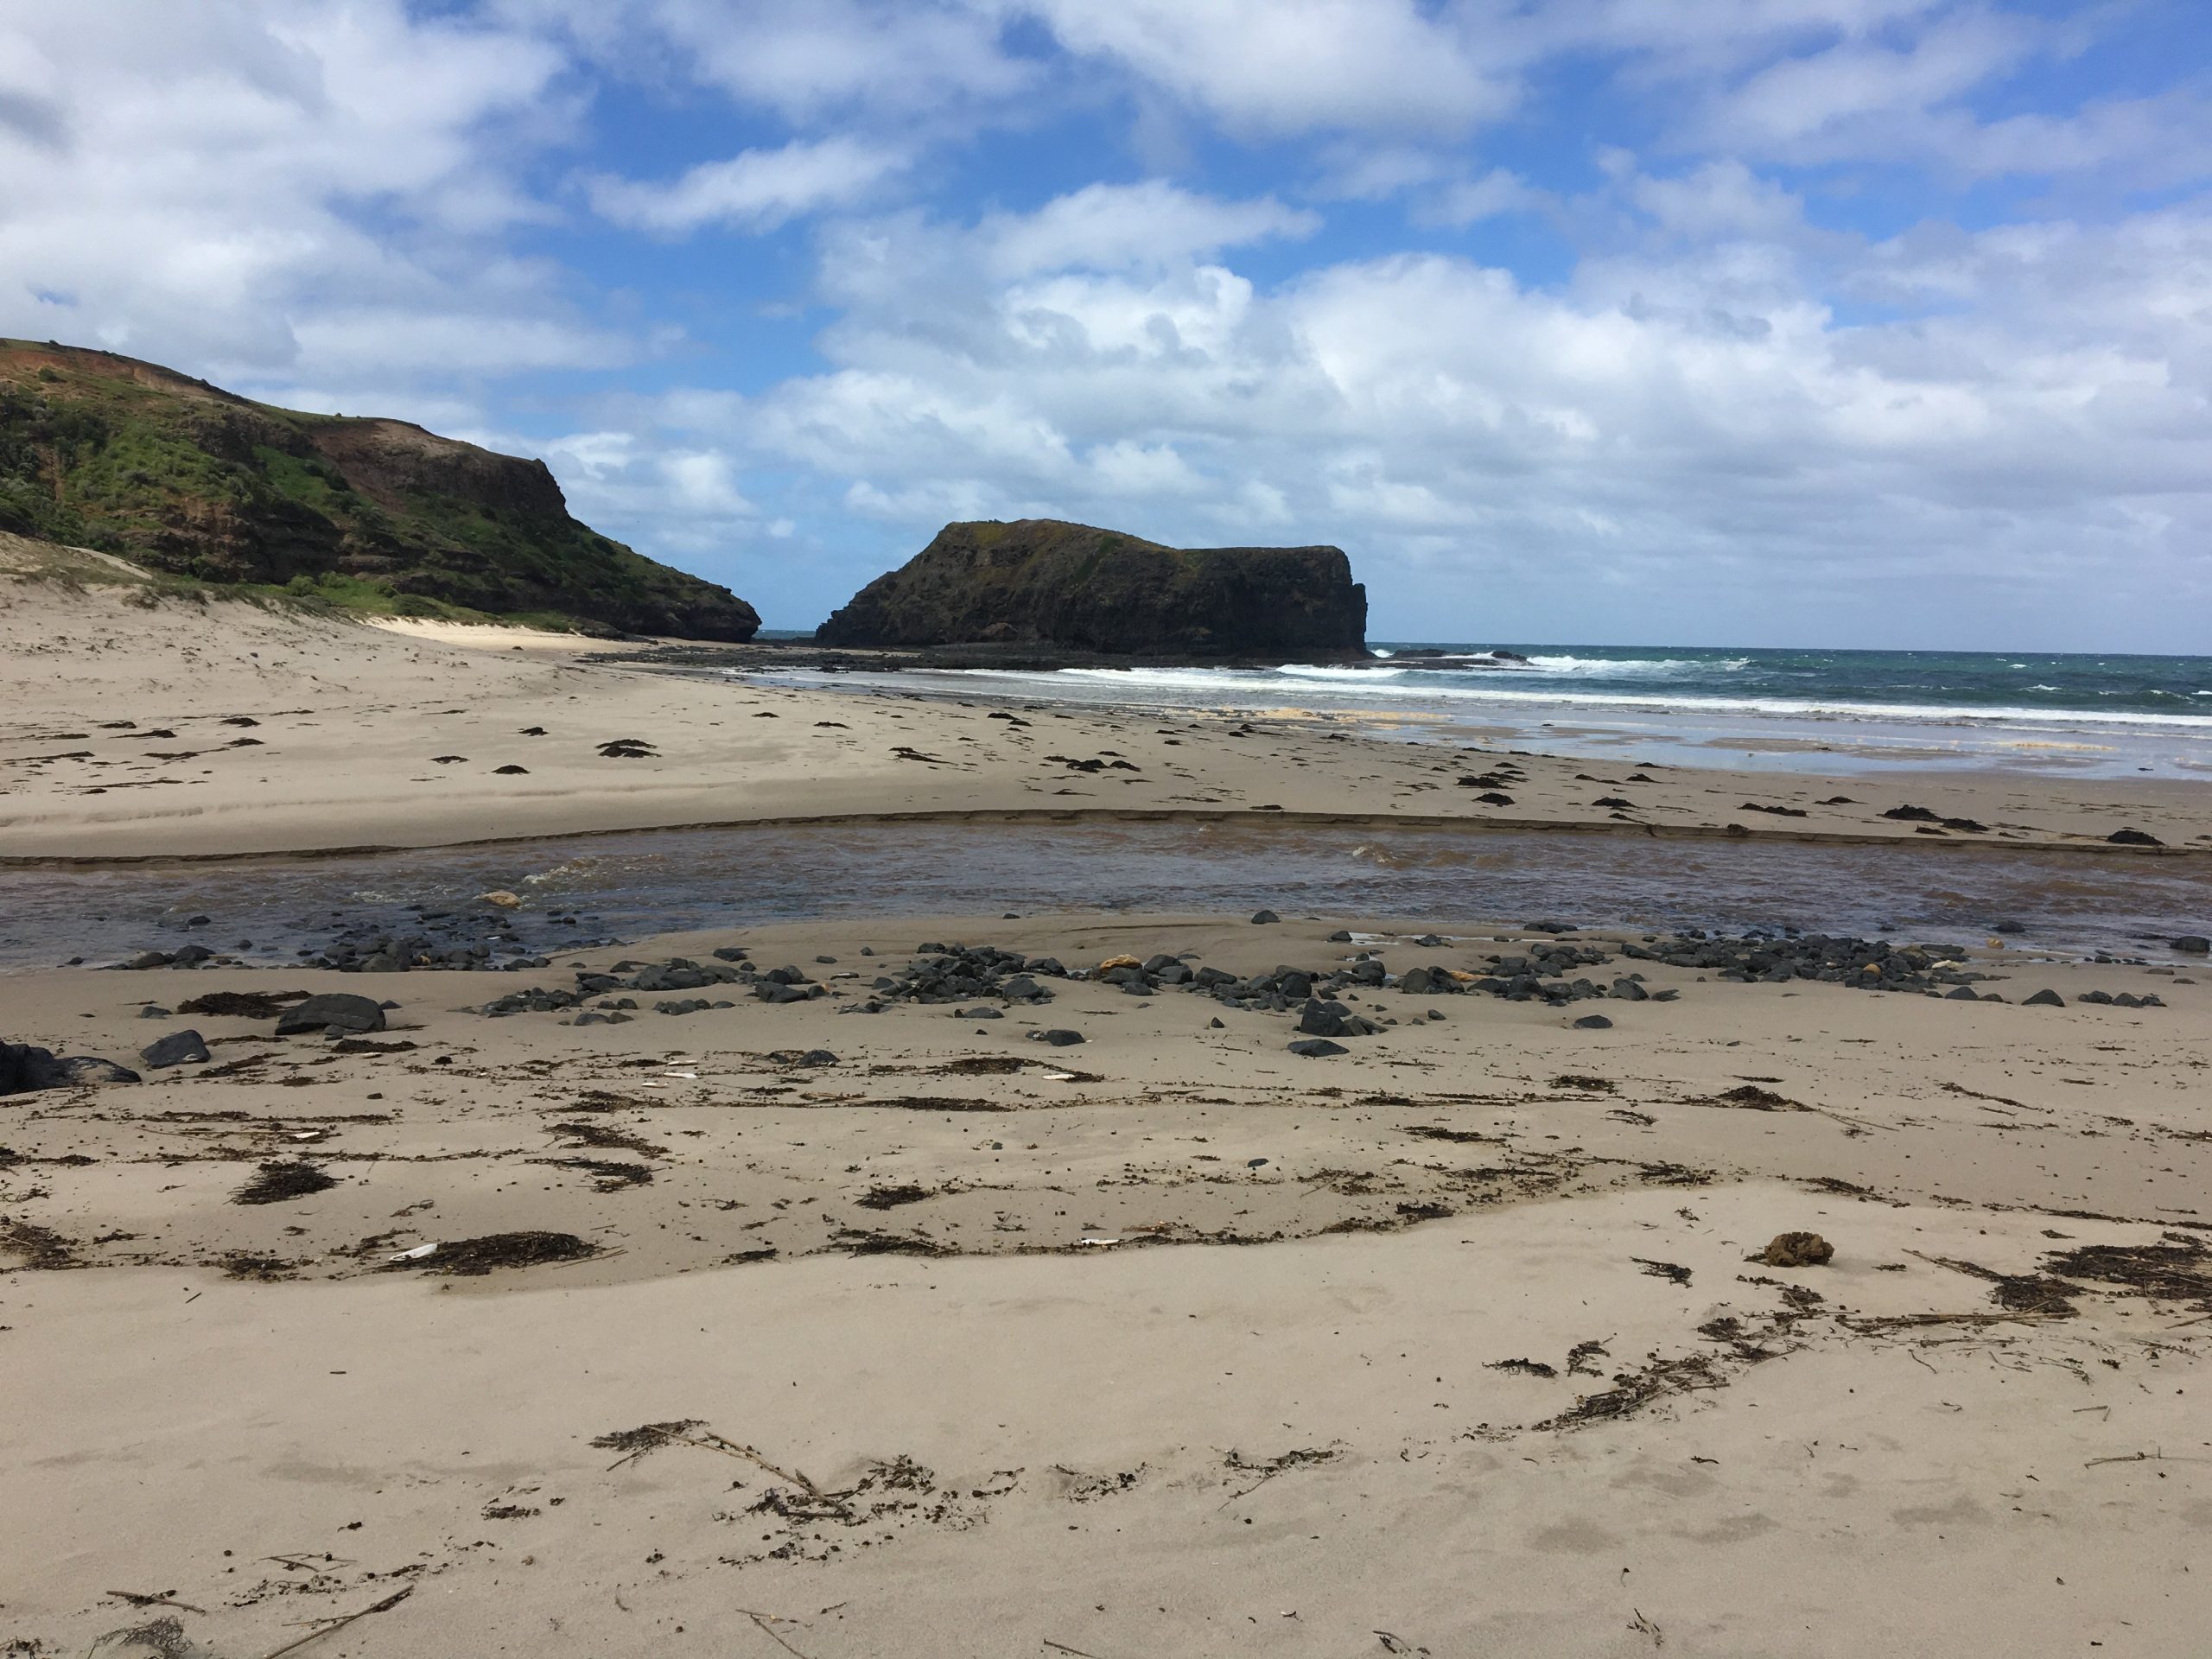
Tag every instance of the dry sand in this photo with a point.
(1276, 1417)
(1449, 1345)
(125, 734)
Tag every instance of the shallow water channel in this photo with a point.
(627, 886)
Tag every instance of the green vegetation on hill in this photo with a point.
(105, 452)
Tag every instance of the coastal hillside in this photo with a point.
(1040, 581)
(180, 477)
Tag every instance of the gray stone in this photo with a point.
(1263, 918)
(24, 1068)
(1593, 1023)
(1322, 1019)
(351, 1015)
(2044, 999)
(1058, 1037)
(2196, 943)
(178, 1048)
(1317, 1048)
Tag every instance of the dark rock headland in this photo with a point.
(1042, 581)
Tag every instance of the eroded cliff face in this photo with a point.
(1040, 581)
(107, 452)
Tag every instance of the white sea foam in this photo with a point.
(1350, 687)
(1599, 668)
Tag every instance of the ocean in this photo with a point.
(2087, 715)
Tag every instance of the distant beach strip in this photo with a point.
(1816, 711)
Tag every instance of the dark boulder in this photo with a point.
(1319, 1019)
(1317, 1048)
(2195, 944)
(178, 1048)
(24, 1068)
(1043, 581)
(340, 1009)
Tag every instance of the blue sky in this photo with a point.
(1823, 322)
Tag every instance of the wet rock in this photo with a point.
(1264, 918)
(2195, 944)
(178, 1048)
(341, 1009)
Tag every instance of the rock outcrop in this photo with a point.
(180, 477)
(1039, 581)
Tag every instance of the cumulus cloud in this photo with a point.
(233, 187)
(1686, 440)
(1292, 66)
(757, 189)
(1109, 226)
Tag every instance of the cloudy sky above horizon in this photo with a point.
(1823, 322)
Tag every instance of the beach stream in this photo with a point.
(631, 885)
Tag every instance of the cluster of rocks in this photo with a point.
(466, 938)
(958, 973)
(731, 968)
(24, 1067)
(1759, 958)
(2048, 999)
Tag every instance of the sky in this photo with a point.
(1831, 323)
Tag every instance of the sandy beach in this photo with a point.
(423, 736)
(666, 1299)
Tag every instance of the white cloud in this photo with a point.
(1291, 66)
(1113, 226)
(757, 189)
(1466, 201)
(1664, 448)
(234, 189)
